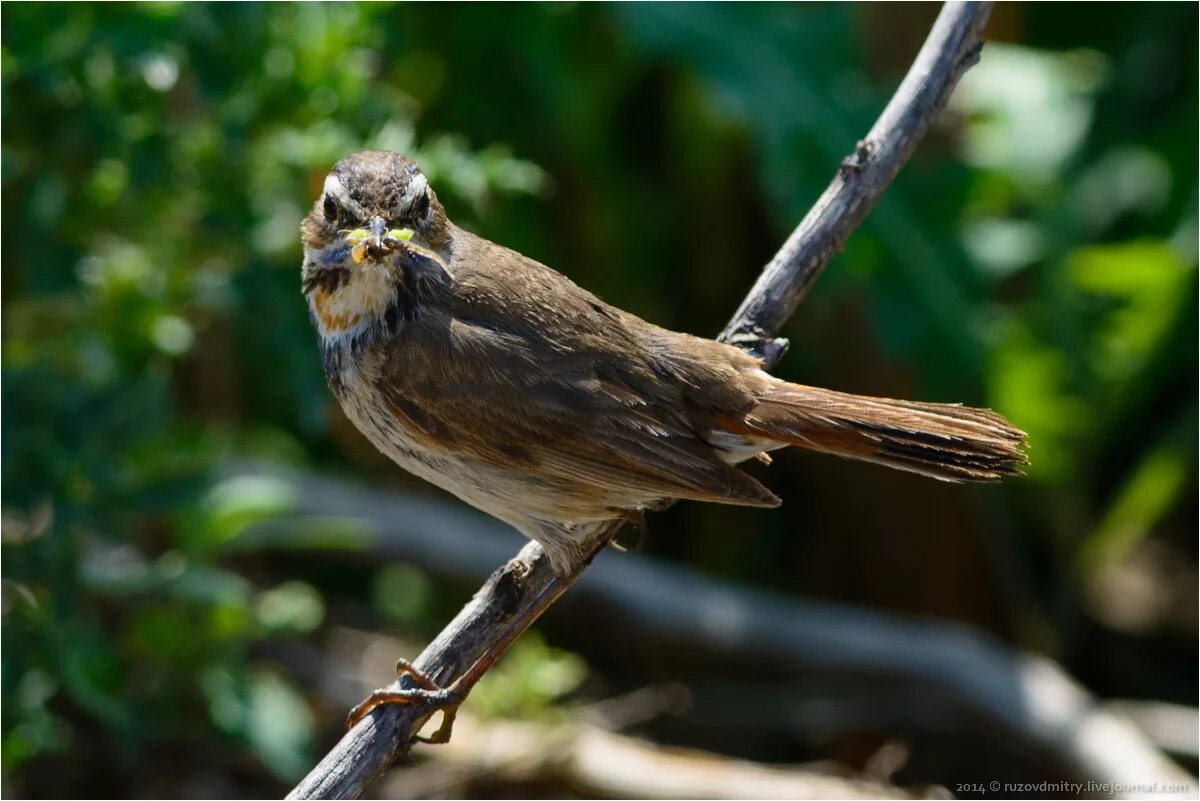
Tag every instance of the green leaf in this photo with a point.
(1150, 492)
(279, 726)
(401, 592)
(236, 503)
(292, 607)
(267, 713)
(530, 678)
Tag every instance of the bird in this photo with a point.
(500, 380)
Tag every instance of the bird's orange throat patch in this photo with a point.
(353, 303)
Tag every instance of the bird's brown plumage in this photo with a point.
(504, 382)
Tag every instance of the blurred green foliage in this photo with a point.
(1039, 255)
(531, 677)
(157, 160)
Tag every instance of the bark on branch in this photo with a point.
(950, 49)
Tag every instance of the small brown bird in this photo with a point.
(501, 381)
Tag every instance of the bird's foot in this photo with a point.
(427, 695)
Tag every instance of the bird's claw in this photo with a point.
(427, 696)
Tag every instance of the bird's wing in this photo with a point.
(533, 374)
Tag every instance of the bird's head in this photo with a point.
(374, 238)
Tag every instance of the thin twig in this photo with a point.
(951, 48)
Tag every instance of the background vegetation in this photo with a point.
(1037, 256)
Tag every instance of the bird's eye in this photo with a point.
(330, 208)
(420, 206)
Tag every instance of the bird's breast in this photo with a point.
(349, 306)
(358, 391)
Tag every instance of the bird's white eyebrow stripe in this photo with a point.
(333, 187)
(416, 187)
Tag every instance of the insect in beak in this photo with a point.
(375, 240)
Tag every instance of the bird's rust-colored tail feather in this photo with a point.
(944, 441)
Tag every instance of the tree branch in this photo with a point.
(526, 581)
(950, 50)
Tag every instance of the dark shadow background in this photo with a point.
(1038, 255)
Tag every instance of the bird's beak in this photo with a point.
(378, 228)
(370, 242)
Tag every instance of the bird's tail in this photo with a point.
(944, 441)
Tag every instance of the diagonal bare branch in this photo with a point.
(952, 47)
(527, 581)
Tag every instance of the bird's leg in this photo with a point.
(429, 695)
(426, 693)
